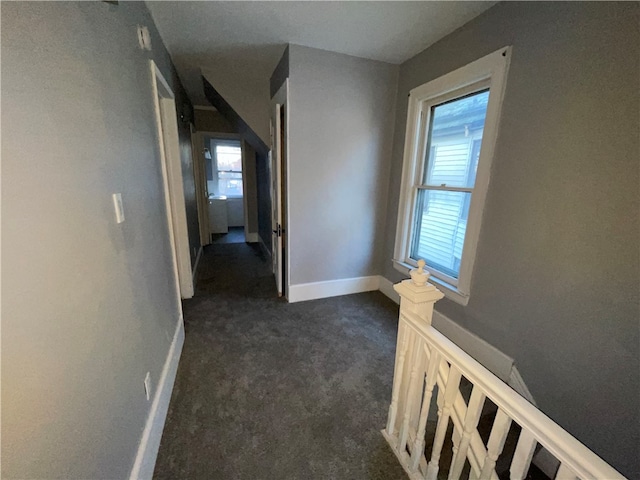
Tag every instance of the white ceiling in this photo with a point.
(248, 37)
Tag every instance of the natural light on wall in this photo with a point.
(451, 132)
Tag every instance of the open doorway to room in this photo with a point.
(225, 187)
(226, 184)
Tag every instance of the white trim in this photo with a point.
(386, 287)
(281, 97)
(516, 382)
(202, 195)
(491, 69)
(150, 441)
(169, 145)
(196, 264)
(490, 357)
(577, 460)
(332, 288)
(251, 237)
(486, 354)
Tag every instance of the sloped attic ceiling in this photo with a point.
(237, 44)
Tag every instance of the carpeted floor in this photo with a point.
(271, 390)
(234, 235)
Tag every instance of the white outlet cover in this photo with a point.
(147, 385)
(117, 205)
(144, 38)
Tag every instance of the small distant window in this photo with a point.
(227, 168)
(451, 131)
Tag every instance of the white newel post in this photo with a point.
(418, 297)
(426, 359)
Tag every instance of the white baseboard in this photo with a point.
(251, 237)
(493, 359)
(332, 288)
(386, 287)
(194, 274)
(516, 382)
(150, 441)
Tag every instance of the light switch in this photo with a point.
(117, 205)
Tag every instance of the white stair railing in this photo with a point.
(427, 361)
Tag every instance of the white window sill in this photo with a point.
(449, 291)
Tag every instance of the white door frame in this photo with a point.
(202, 196)
(168, 139)
(201, 137)
(278, 101)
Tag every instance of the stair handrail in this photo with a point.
(421, 351)
(560, 443)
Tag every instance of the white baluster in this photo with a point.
(430, 380)
(416, 296)
(412, 393)
(498, 436)
(450, 392)
(397, 380)
(523, 455)
(565, 473)
(471, 419)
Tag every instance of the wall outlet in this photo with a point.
(144, 38)
(147, 385)
(117, 205)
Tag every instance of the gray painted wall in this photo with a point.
(556, 281)
(280, 73)
(188, 175)
(245, 90)
(251, 194)
(263, 190)
(210, 121)
(341, 122)
(88, 306)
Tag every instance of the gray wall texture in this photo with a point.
(251, 195)
(88, 306)
(280, 73)
(210, 121)
(555, 283)
(341, 125)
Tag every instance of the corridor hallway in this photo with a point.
(271, 390)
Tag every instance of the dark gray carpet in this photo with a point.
(234, 235)
(270, 390)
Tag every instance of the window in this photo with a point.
(226, 168)
(451, 132)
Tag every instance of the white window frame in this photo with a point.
(487, 72)
(229, 142)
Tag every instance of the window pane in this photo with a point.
(230, 187)
(440, 226)
(230, 175)
(455, 137)
(229, 158)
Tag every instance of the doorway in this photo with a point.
(226, 188)
(167, 125)
(279, 177)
